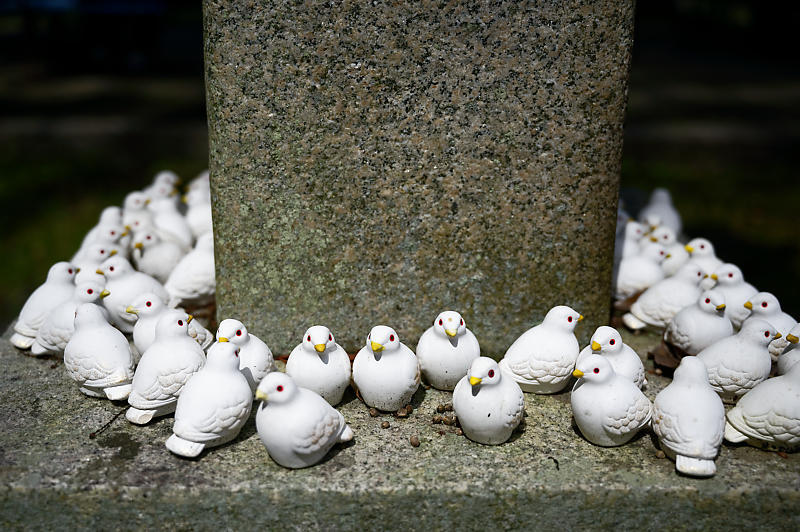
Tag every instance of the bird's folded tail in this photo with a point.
(696, 467)
(632, 322)
(118, 393)
(346, 435)
(21, 341)
(732, 434)
(185, 448)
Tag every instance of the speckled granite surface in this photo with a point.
(380, 162)
(53, 475)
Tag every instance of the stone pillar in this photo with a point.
(379, 162)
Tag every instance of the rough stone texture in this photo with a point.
(382, 162)
(52, 473)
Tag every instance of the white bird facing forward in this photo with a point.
(319, 364)
(698, 326)
(607, 342)
(446, 350)
(255, 356)
(385, 371)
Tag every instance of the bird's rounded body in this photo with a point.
(444, 361)
(327, 373)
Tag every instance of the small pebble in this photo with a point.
(373, 412)
(441, 433)
(660, 454)
(437, 420)
(385, 425)
(447, 420)
(658, 371)
(459, 432)
(448, 407)
(440, 409)
(409, 409)
(414, 441)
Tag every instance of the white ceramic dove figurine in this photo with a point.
(765, 306)
(640, 271)
(739, 362)
(446, 351)
(541, 360)
(701, 253)
(147, 309)
(164, 369)
(634, 231)
(110, 234)
(385, 372)
(255, 356)
(731, 283)
(791, 355)
(154, 256)
(198, 213)
(319, 364)
(98, 357)
(660, 205)
(676, 254)
(163, 186)
(59, 324)
(213, 406)
(658, 304)
(609, 409)
(109, 215)
(488, 404)
(607, 342)
(169, 221)
(698, 326)
(57, 288)
(125, 285)
(93, 256)
(193, 281)
(689, 419)
(768, 415)
(297, 426)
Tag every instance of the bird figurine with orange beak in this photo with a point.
(255, 358)
(385, 372)
(320, 364)
(446, 350)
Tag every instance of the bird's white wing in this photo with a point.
(208, 421)
(672, 434)
(773, 425)
(680, 334)
(513, 410)
(628, 419)
(320, 434)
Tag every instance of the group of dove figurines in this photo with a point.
(116, 313)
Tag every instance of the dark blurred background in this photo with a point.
(97, 96)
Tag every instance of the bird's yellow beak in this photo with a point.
(721, 307)
(577, 373)
(580, 317)
(319, 348)
(77, 270)
(688, 248)
(474, 380)
(112, 253)
(125, 233)
(261, 395)
(138, 245)
(777, 335)
(792, 338)
(173, 192)
(653, 239)
(189, 319)
(147, 201)
(99, 271)
(705, 276)
(715, 276)
(668, 255)
(748, 305)
(595, 346)
(184, 199)
(376, 346)
(104, 293)
(450, 332)
(130, 310)
(222, 339)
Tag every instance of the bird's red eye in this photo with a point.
(113, 233)
(90, 291)
(135, 223)
(180, 322)
(308, 337)
(330, 338)
(148, 304)
(699, 274)
(102, 251)
(391, 338)
(766, 334)
(239, 332)
(569, 319)
(69, 271)
(702, 246)
(462, 321)
(491, 373)
(279, 388)
(661, 253)
(440, 321)
(111, 268)
(708, 300)
(596, 370)
(149, 237)
(664, 237)
(730, 275)
(612, 342)
(764, 304)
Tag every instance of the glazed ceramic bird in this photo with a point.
(489, 405)
(609, 409)
(213, 405)
(385, 372)
(59, 324)
(765, 306)
(701, 253)
(698, 326)
(541, 360)
(125, 285)
(147, 310)
(255, 356)
(660, 205)
(169, 221)
(639, 272)
(607, 342)
(166, 366)
(93, 256)
(658, 304)
(446, 350)
(319, 364)
(731, 283)
(634, 232)
(109, 216)
(739, 362)
(98, 357)
(791, 355)
(297, 426)
(689, 419)
(57, 288)
(193, 281)
(769, 414)
(154, 256)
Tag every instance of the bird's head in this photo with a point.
(135, 201)
(759, 331)
(276, 388)
(233, 331)
(700, 247)
(449, 324)
(728, 274)
(606, 340)
(147, 304)
(483, 372)
(594, 368)
(318, 339)
(382, 339)
(690, 273)
(224, 356)
(712, 301)
(664, 235)
(691, 370)
(173, 323)
(634, 230)
(653, 251)
(88, 314)
(562, 317)
(145, 239)
(763, 304)
(99, 252)
(90, 292)
(62, 272)
(114, 268)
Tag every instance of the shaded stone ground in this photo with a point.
(53, 472)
